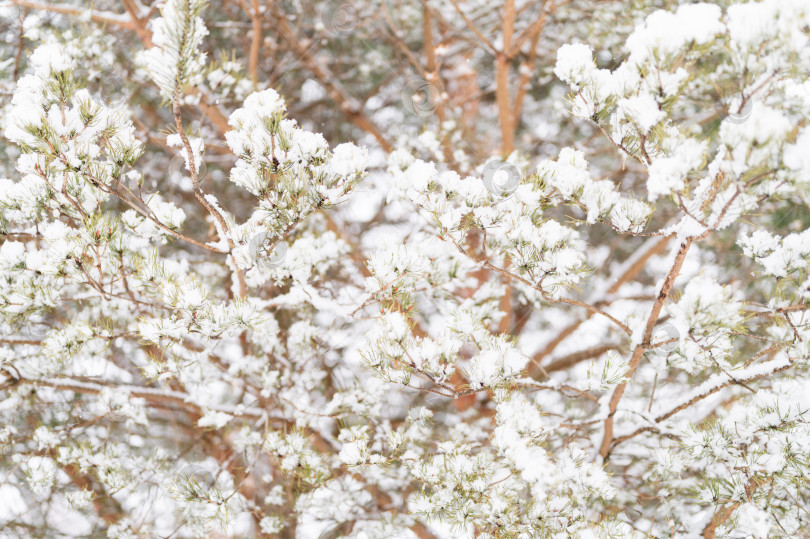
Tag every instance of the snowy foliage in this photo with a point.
(548, 277)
